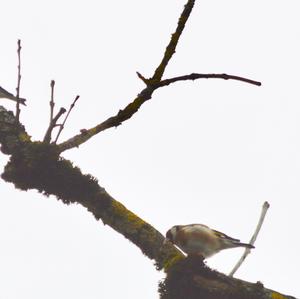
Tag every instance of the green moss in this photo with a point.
(276, 295)
(23, 137)
(120, 211)
(170, 262)
(37, 165)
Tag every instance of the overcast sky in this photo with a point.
(208, 151)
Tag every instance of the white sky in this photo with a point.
(208, 151)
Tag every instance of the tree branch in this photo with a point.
(61, 127)
(36, 165)
(134, 106)
(171, 48)
(53, 124)
(195, 76)
(143, 96)
(151, 85)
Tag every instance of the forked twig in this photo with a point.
(61, 127)
(265, 208)
(53, 124)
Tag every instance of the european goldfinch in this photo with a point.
(199, 239)
(7, 95)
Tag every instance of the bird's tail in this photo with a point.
(239, 244)
(22, 101)
(13, 98)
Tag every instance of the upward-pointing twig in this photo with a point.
(52, 104)
(53, 124)
(61, 127)
(171, 48)
(265, 208)
(18, 110)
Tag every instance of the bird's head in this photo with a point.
(171, 234)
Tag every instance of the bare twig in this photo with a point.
(61, 127)
(145, 80)
(18, 110)
(265, 208)
(195, 76)
(171, 48)
(53, 124)
(52, 104)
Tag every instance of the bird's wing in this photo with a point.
(223, 236)
(195, 225)
(6, 92)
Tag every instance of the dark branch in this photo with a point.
(52, 104)
(113, 121)
(53, 124)
(18, 110)
(195, 76)
(171, 48)
(61, 127)
(134, 106)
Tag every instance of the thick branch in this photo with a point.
(37, 165)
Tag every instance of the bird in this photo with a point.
(199, 239)
(7, 95)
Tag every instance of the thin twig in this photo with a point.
(145, 80)
(265, 208)
(171, 48)
(18, 110)
(195, 76)
(61, 127)
(53, 124)
(52, 104)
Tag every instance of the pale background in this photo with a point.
(208, 151)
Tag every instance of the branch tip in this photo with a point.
(265, 208)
